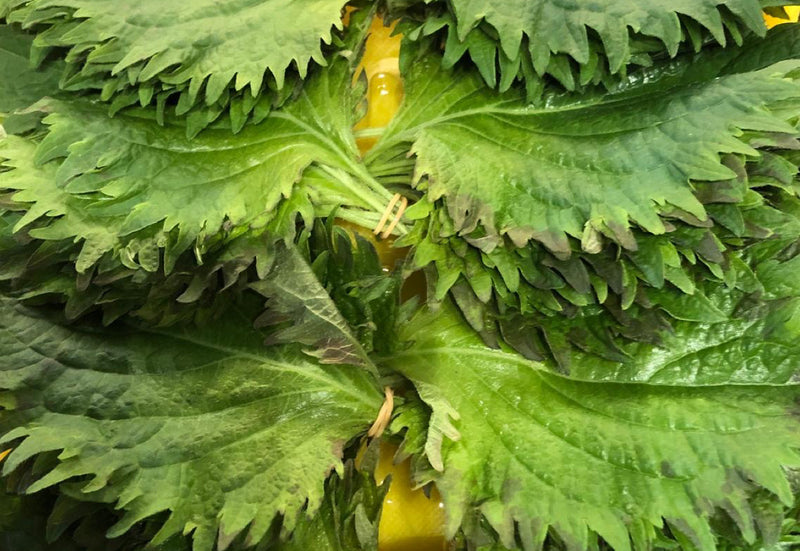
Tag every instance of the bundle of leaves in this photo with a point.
(94, 215)
(574, 45)
(195, 61)
(558, 218)
(194, 347)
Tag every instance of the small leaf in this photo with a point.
(297, 297)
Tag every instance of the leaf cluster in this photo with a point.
(194, 348)
(529, 233)
(572, 45)
(170, 57)
(132, 216)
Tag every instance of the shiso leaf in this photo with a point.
(297, 299)
(348, 518)
(207, 424)
(530, 450)
(472, 217)
(23, 521)
(53, 521)
(546, 307)
(22, 85)
(607, 441)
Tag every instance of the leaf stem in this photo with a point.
(384, 196)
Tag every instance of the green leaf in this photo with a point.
(740, 340)
(207, 424)
(546, 307)
(563, 28)
(22, 85)
(586, 164)
(49, 521)
(331, 293)
(35, 270)
(46, 270)
(544, 298)
(532, 451)
(358, 280)
(128, 188)
(296, 296)
(23, 521)
(347, 519)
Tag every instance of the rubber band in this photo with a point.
(400, 210)
(384, 415)
(387, 212)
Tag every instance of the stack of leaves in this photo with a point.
(574, 45)
(578, 204)
(195, 61)
(101, 220)
(194, 348)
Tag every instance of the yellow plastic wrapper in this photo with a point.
(792, 11)
(381, 64)
(410, 519)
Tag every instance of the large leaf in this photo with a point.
(587, 165)
(22, 85)
(37, 270)
(50, 522)
(533, 451)
(359, 279)
(23, 521)
(207, 424)
(331, 292)
(748, 340)
(560, 27)
(546, 307)
(127, 187)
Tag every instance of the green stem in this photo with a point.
(393, 168)
(347, 180)
(370, 132)
(399, 180)
(369, 179)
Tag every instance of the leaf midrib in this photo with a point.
(307, 373)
